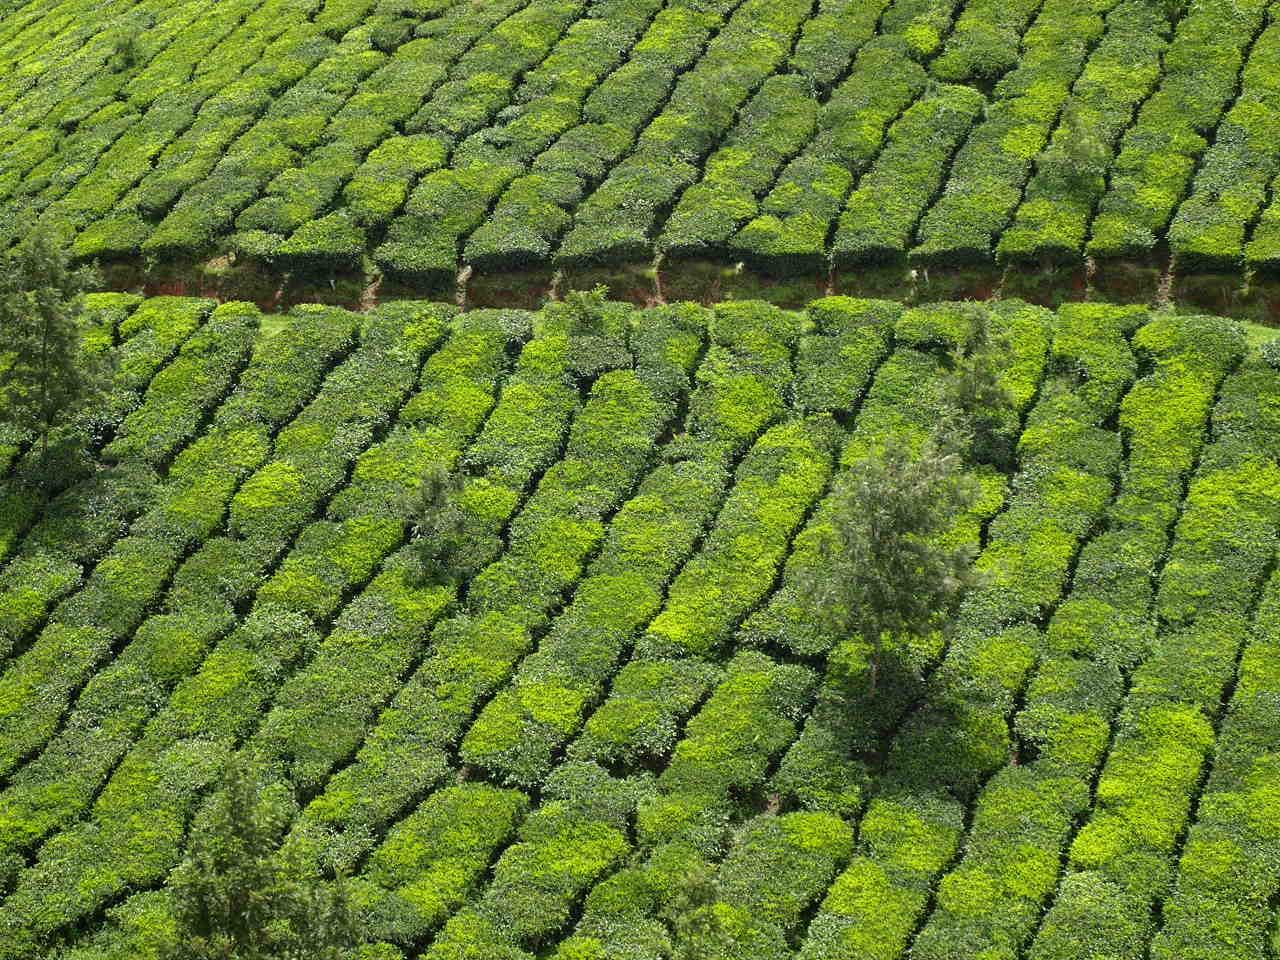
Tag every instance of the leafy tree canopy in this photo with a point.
(884, 568)
(46, 376)
(238, 897)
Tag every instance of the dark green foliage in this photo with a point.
(982, 405)
(882, 571)
(537, 207)
(695, 927)
(326, 244)
(46, 375)
(1078, 155)
(125, 51)
(439, 523)
(833, 368)
(179, 397)
(235, 896)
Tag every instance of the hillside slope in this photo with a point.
(617, 686)
(416, 137)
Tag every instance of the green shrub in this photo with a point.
(774, 124)
(985, 42)
(1052, 221)
(880, 216)
(640, 718)
(1158, 155)
(312, 453)
(831, 38)
(380, 186)
(537, 207)
(796, 216)
(781, 477)
(432, 860)
(872, 907)
(179, 396)
(328, 243)
(33, 585)
(615, 222)
(1230, 189)
(570, 841)
(989, 172)
(727, 745)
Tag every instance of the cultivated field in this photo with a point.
(617, 684)
(415, 137)
(602, 716)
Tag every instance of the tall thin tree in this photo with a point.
(439, 522)
(884, 569)
(46, 376)
(979, 421)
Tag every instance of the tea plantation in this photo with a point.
(619, 684)
(608, 722)
(412, 138)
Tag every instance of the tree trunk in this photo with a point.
(45, 413)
